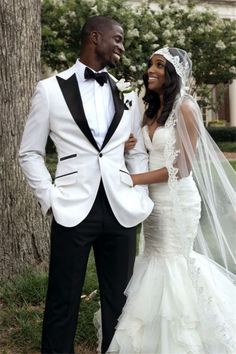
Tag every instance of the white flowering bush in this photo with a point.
(209, 39)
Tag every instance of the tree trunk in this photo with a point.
(24, 237)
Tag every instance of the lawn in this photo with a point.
(233, 163)
(21, 313)
(22, 303)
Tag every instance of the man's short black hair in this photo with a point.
(97, 23)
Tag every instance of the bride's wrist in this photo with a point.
(133, 179)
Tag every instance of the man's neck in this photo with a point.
(92, 64)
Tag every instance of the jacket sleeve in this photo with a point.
(137, 158)
(32, 149)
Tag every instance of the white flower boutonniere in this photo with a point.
(124, 87)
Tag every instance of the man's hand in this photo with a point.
(130, 143)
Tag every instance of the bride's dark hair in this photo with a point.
(152, 100)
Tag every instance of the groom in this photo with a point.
(92, 199)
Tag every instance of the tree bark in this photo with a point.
(24, 237)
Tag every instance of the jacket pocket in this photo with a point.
(66, 179)
(126, 178)
(67, 157)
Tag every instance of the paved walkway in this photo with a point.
(230, 155)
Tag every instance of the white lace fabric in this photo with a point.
(196, 153)
(181, 62)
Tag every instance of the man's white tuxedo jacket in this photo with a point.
(57, 110)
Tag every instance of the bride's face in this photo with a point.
(156, 73)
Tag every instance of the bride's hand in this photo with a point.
(130, 143)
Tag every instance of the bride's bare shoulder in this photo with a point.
(188, 106)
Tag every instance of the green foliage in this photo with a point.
(25, 288)
(86, 331)
(226, 134)
(209, 39)
(233, 163)
(28, 326)
(217, 123)
(22, 300)
(51, 161)
(227, 146)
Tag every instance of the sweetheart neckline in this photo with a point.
(153, 135)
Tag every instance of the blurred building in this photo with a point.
(227, 110)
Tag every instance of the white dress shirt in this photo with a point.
(97, 102)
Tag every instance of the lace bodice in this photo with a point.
(160, 228)
(156, 145)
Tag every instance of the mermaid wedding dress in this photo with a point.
(178, 300)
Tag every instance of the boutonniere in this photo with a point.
(124, 87)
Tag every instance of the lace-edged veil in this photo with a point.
(193, 151)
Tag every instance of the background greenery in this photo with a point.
(223, 134)
(209, 39)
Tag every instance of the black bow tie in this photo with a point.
(101, 78)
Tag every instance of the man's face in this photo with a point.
(110, 46)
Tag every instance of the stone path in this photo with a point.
(230, 155)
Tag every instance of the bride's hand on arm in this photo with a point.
(130, 143)
(155, 176)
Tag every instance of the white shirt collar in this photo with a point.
(80, 67)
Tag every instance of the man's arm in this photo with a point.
(32, 149)
(137, 157)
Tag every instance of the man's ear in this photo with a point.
(95, 37)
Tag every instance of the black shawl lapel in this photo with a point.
(119, 110)
(71, 93)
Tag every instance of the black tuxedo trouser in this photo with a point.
(114, 250)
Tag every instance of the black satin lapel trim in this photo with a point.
(71, 93)
(119, 110)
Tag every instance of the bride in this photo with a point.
(182, 296)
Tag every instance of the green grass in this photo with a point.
(51, 160)
(29, 287)
(22, 305)
(227, 146)
(85, 331)
(233, 163)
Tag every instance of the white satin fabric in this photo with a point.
(178, 301)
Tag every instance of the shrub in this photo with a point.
(226, 134)
(217, 123)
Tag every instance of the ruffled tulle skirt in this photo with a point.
(165, 314)
(178, 301)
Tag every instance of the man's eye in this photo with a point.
(118, 39)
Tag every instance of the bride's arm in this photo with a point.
(155, 176)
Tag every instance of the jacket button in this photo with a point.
(100, 155)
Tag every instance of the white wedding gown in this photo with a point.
(178, 301)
